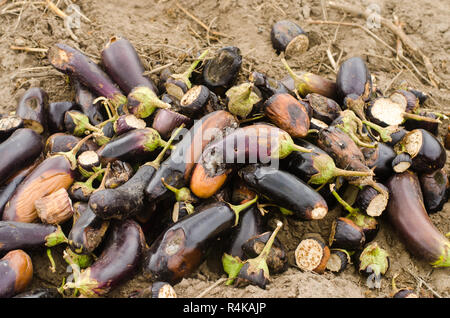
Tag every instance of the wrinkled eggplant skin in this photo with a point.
(33, 109)
(56, 112)
(176, 169)
(8, 191)
(181, 248)
(435, 188)
(84, 98)
(123, 65)
(40, 293)
(323, 108)
(380, 158)
(19, 235)
(251, 223)
(87, 232)
(432, 155)
(284, 189)
(18, 151)
(221, 72)
(62, 142)
(409, 219)
(121, 257)
(353, 77)
(124, 201)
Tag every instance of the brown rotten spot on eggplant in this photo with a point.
(33, 109)
(285, 35)
(221, 72)
(323, 108)
(255, 270)
(119, 173)
(409, 219)
(306, 83)
(16, 273)
(13, 158)
(205, 186)
(55, 208)
(288, 114)
(426, 151)
(312, 254)
(435, 188)
(123, 65)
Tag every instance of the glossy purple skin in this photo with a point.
(166, 121)
(74, 63)
(353, 77)
(20, 235)
(85, 100)
(123, 65)
(18, 151)
(7, 279)
(121, 257)
(56, 112)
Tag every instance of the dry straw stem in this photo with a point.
(433, 78)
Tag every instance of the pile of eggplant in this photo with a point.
(155, 176)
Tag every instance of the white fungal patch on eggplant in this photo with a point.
(319, 213)
(308, 254)
(388, 111)
(135, 122)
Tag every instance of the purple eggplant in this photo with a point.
(380, 158)
(123, 65)
(62, 142)
(85, 100)
(119, 261)
(166, 121)
(182, 247)
(283, 33)
(33, 109)
(125, 123)
(435, 188)
(56, 112)
(74, 63)
(8, 125)
(18, 151)
(16, 273)
(19, 235)
(267, 86)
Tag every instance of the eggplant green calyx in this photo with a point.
(55, 238)
(82, 260)
(239, 208)
(285, 146)
(384, 132)
(352, 126)
(232, 266)
(143, 102)
(71, 155)
(182, 194)
(348, 207)
(375, 258)
(81, 123)
(241, 99)
(153, 140)
(444, 259)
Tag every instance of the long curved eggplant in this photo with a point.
(407, 215)
(176, 170)
(123, 65)
(18, 151)
(33, 109)
(119, 261)
(20, 235)
(286, 190)
(74, 63)
(16, 273)
(182, 247)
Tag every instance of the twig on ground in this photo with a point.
(207, 290)
(421, 281)
(158, 69)
(392, 82)
(28, 49)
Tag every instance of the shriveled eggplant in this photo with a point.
(435, 189)
(119, 173)
(241, 99)
(16, 273)
(323, 108)
(33, 109)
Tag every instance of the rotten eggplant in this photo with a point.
(16, 273)
(56, 112)
(33, 109)
(8, 125)
(312, 254)
(435, 189)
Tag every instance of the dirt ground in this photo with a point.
(163, 34)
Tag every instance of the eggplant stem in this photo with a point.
(52, 261)
(107, 171)
(155, 163)
(338, 172)
(183, 194)
(421, 118)
(186, 74)
(71, 155)
(359, 142)
(265, 252)
(239, 208)
(300, 148)
(348, 207)
(251, 119)
(56, 238)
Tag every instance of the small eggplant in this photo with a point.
(119, 173)
(435, 188)
(255, 270)
(401, 162)
(55, 208)
(19, 151)
(123, 65)
(62, 142)
(426, 151)
(19, 235)
(16, 273)
(87, 232)
(373, 262)
(55, 172)
(323, 108)
(81, 191)
(312, 254)
(85, 100)
(380, 158)
(338, 261)
(135, 144)
(125, 123)
(288, 114)
(33, 109)
(371, 201)
(178, 84)
(128, 199)
(221, 72)
(306, 83)
(40, 293)
(267, 86)
(176, 170)
(285, 190)
(283, 34)
(74, 63)
(346, 234)
(166, 121)
(119, 261)
(277, 260)
(407, 215)
(194, 100)
(56, 112)
(8, 125)
(182, 247)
